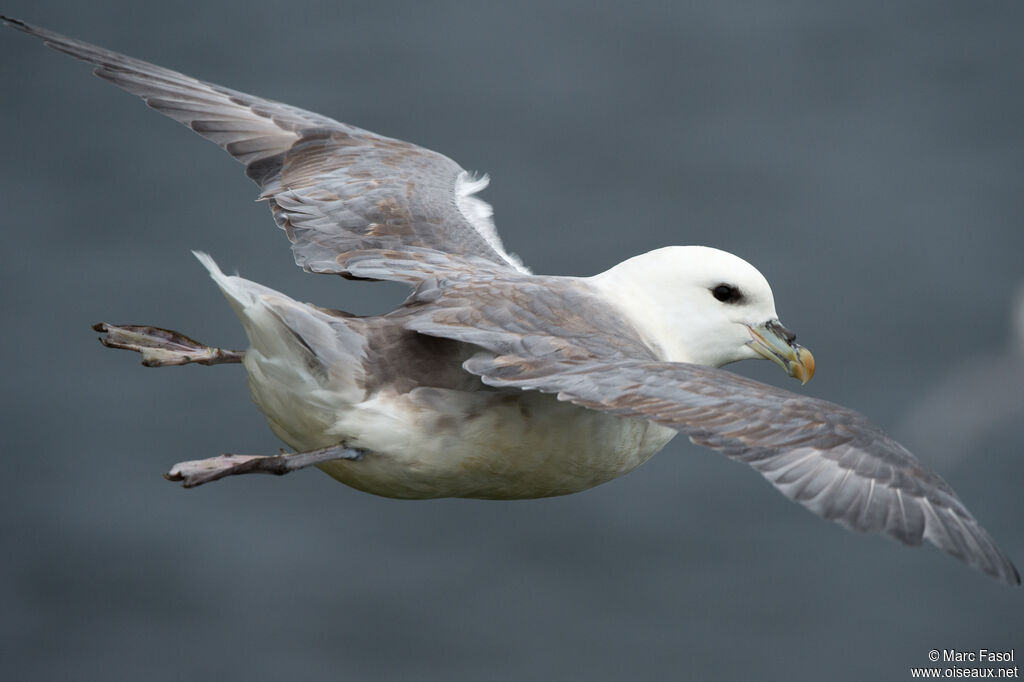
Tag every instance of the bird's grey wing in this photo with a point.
(828, 458)
(552, 334)
(332, 187)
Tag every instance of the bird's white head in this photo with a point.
(704, 306)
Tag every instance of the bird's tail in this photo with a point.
(304, 363)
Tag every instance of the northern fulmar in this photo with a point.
(492, 382)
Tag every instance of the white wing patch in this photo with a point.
(478, 212)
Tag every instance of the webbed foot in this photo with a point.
(163, 347)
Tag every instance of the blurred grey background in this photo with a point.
(867, 157)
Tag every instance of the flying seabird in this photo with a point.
(492, 382)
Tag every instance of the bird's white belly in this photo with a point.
(495, 445)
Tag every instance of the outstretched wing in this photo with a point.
(332, 187)
(828, 458)
(551, 334)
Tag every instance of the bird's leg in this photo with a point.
(199, 471)
(162, 347)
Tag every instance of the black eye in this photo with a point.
(726, 293)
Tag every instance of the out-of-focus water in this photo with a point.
(867, 157)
